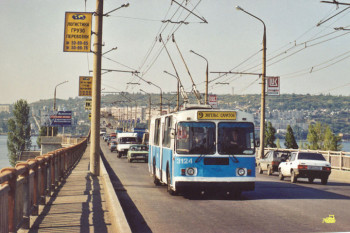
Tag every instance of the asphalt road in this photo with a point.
(274, 206)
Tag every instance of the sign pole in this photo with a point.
(96, 93)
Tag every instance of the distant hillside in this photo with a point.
(328, 109)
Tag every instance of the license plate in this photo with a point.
(314, 168)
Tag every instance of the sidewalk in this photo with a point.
(78, 205)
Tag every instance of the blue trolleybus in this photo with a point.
(203, 149)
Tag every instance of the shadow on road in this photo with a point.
(277, 190)
(136, 221)
(281, 190)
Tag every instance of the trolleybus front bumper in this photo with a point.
(214, 186)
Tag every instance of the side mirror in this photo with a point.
(172, 133)
(257, 142)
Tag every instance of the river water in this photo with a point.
(4, 162)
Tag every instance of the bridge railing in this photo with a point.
(25, 187)
(338, 159)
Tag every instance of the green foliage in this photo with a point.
(321, 137)
(278, 144)
(270, 136)
(19, 131)
(315, 137)
(290, 142)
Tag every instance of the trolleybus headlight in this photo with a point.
(191, 171)
(241, 171)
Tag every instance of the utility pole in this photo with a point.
(96, 92)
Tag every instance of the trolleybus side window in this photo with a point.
(236, 138)
(167, 131)
(195, 138)
(156, 132)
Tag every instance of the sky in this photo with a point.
(309, 59)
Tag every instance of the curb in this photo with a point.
(119, 222)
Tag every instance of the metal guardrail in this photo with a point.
(25, 187)
(338, 159)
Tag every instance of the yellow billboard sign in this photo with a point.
(85, 86)
(77, 32)
(216, 115)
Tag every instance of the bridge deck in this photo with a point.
(77, 206)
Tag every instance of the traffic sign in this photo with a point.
(85, 85)
(77, 32)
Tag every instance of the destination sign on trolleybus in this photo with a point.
(216, 115)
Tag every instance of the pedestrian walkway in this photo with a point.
(78, 205)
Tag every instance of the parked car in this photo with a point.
(271, 161)
(305, 165)
(138, 152)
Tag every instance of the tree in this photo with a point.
(315, 136)
(290, 142)
(270, 136)
(278, 144)
(19, 131)
(331, 141)
(321, 137)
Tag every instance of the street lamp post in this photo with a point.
(206, 76)
(54, 103)
(178, 90)
(54, 94)
(262, 115)
(161, 92)
(149, 108)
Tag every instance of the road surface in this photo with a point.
(274, 206)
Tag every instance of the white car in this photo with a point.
(305, 165)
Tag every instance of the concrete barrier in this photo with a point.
(340, 176)
(119, 222)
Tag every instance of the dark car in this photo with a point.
(271, 161)
(113, 145)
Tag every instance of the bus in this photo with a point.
(194, 150)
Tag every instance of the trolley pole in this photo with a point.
(96, 92)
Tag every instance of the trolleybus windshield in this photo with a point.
(236, 138)
(195, 138)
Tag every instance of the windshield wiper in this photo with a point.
(198, 159)
(233, 158)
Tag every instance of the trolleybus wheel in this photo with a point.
(155, 179)
(170, 191)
